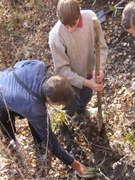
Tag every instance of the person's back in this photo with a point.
(32, 74)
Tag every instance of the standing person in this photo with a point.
(72, 45)
(24, 91)
(128, 21)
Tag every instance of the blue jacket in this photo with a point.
(32, 73)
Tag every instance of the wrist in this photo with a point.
(87, 83)
(78, 166)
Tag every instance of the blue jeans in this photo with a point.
(81, 99)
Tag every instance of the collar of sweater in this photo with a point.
(80, 23)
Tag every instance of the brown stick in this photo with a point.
(97, 70)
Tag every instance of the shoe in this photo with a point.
(64, 132)
(80, 110)
(81, 114)
(79, 117)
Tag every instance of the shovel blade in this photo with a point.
(101, 16)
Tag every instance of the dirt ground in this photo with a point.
(24, 34)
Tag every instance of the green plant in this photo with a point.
(133, 64)
(114, 9)
(94, 171)
(57, 117)
(129, 137)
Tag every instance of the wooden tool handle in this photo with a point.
(97, 69)
(97, 44)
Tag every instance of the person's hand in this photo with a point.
(98, 78)
(86, 172)
(91, 83)
(80, 168)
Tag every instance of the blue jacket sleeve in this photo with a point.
(41, 123)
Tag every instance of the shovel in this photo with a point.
(97, 69)
(102, 14)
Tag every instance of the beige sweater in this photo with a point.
(73, 53)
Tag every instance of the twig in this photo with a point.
(11, 158)
(102, 147)
(105, 177)
(85, 137)
(119, 3)
(94, 3)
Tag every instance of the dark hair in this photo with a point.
(128, 15)
(68, 11)
(58, 90)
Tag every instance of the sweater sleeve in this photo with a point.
(62, 64)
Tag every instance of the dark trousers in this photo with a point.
(7, 125)
(81, 99)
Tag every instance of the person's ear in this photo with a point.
(57, 15)
(48, 99)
